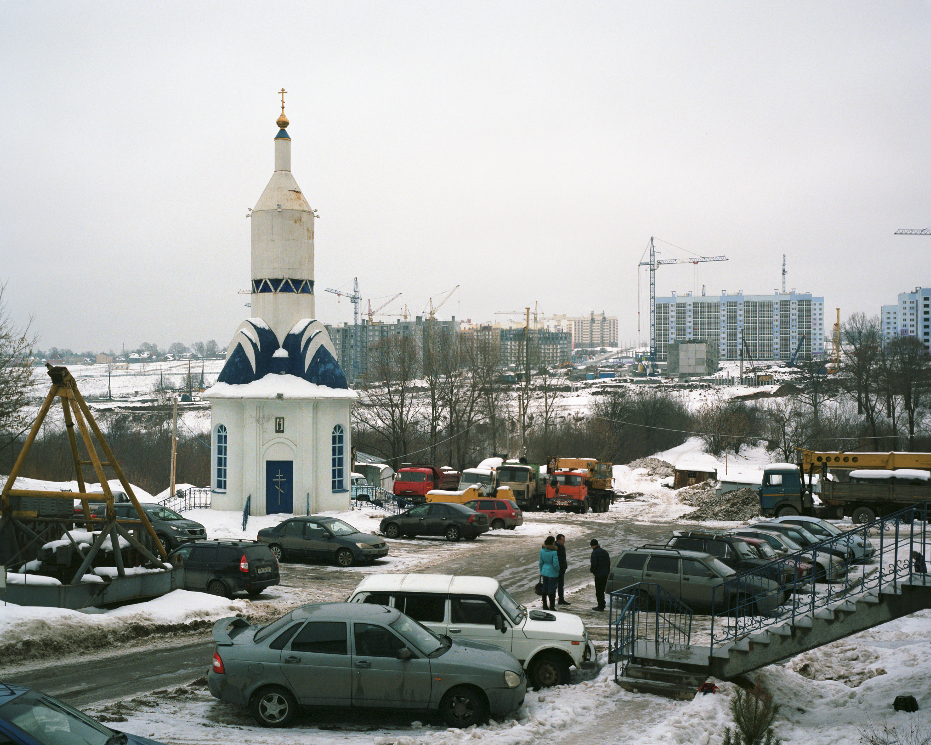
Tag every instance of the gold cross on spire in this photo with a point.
(282, 120)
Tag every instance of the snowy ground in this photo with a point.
(826, 696)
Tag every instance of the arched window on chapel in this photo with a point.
(221, 456)
(338, 459)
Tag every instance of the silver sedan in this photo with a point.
(359, 655)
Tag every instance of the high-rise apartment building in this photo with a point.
(773, 326)
(910, 317)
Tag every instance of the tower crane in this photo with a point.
(434, 308)
(356, 299)
(653, 263)
(913, 231)
(371, 312)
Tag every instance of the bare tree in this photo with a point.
(485, 366)
(437, 368)
(861, 368)
(16, 345)
(463, 405)
(389, 411)
(908, 377)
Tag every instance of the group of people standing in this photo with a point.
(553, 565)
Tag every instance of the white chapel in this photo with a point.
(280, 410)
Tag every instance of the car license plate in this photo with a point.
(263, 570)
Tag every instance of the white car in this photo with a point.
(862, 548)
(547, 643)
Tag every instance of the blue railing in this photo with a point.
(645, 613)
(751, 601)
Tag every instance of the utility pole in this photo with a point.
(525, 398)
(174, 442)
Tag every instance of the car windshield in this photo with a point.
(338, 527)
(514, 609)
(722, 569)
(472, 505)
(766, 551)
(831, 530)
(51, 722)
(420, 637)
(272, 628)
(163, 513)
(743, 549)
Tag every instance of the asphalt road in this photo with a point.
(101, 675)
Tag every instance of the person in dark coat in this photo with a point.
(563, 565)
(918, 562)
(601, 567)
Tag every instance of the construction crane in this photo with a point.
(913, 231)
(653, 263)
(434, 308)
(356, 299)
(371, 312)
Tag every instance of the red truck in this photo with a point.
(566, 490)
(412, 482)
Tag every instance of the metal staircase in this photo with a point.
(652, 655)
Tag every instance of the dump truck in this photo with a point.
(880, 483)
(525, 481)
(599, 479)
(412, 482)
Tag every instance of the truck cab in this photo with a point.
(412, 482)
(782, 491)
(566, 490)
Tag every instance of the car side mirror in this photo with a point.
(500, 625)
(405, 654)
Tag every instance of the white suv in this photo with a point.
(546, 643)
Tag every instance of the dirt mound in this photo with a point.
(740, 504)
(654, 467)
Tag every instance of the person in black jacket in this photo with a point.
(563, 565)
(601, 567)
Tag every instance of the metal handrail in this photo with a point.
(645, 611)
(744, 603)
(366, 497)
(188, 499)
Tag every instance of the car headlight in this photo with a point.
(511, 679)
(363, 545)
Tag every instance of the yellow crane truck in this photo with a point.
(880, 483)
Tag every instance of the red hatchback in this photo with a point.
(502, 513)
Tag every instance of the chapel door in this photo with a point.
(279, 486)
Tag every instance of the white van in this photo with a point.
(547, 643)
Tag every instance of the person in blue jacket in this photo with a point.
(549, 571)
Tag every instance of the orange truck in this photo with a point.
(597, 476)
(566, 490)
(412, 482)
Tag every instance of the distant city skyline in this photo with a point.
(525, 152)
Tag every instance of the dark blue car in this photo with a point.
(29, 717)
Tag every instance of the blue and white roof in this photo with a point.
(254, 354)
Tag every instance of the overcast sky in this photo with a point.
(525, 151)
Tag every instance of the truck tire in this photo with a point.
(862, 515)
(786, 510)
